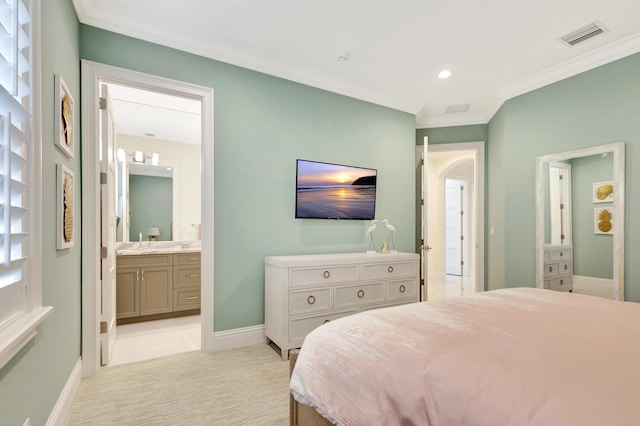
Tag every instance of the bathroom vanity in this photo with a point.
(156, 281)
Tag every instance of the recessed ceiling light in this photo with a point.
(343, 56)
(444, 74)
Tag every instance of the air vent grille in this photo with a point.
(584, 33)
(457, 108)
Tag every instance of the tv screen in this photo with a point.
(334, 191)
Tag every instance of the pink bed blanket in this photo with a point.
(507, 357)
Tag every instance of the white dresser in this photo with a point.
(558, 267)
(303, 292)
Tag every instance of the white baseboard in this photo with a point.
(595, 286)
(61, 409)
(237, 338)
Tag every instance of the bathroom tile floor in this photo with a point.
(153, 339)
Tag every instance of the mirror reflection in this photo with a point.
(580, 217)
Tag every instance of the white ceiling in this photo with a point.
(495, 49)
(155, 115)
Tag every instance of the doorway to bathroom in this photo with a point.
(141, 106)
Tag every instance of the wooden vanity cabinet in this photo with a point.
(157, 286)
(144, 285)
(186, 281)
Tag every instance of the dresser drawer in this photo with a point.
(399, 290)
(358, 295)
(560, 254)
(326, 275)
(186, 298)
(186, 277)
(299, 328)
(565, 268)
(309, 300)
(389, 270)
(560, 283)
(551, 269)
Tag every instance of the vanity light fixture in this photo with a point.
(444, 74)
(139, 157)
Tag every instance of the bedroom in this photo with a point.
(595, 107)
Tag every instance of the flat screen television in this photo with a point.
(334, 191)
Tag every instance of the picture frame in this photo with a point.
(603, 220)
(65, 193)
(64, 117)
(603, 192)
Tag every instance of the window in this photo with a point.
(20, 266)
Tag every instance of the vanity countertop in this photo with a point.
(157, 247)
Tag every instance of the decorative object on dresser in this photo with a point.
(558, 267)
(154, 286)
(303, 292)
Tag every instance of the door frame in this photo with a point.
(92, 73)
(478, 199)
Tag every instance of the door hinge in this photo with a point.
(561, 206)
(462, 263)
(103, 252)
(462, 188)
(103, 103)
(461, 212)
(103, 178)
(461, 237)
(103, 327)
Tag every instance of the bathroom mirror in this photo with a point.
(174, 210)
(580, 204)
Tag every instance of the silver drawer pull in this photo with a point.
(550, 268)
(402, 288)
(326, 274)
(191, 298)
(191, 275)
(561, 282)
(566, 267)
(192, 258)
(390, 269)
(311, 300)
(561, 254)
(360, 294)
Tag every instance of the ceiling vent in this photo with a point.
(457, 108)
(578, 36)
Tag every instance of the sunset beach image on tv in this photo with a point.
(334, 191)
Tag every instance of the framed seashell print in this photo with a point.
(65, 191)
(603, 192)
(64, 117)
(603, 220)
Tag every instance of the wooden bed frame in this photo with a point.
(300, 414)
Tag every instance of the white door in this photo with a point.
(453, 226)
(108, 227)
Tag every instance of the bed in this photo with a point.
(517, 356)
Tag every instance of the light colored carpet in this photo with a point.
(246, 386)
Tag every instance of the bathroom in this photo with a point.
(158, 205)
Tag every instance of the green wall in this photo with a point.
(31, 382)
(438, 135)
(596, 107)
(150, 204)
(262, 125)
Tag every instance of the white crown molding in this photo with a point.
(144, 29)
(609, 53)
(450, 120)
